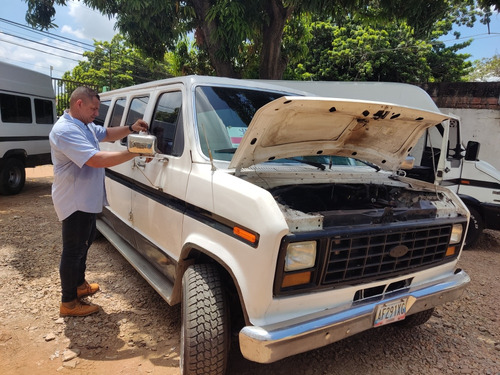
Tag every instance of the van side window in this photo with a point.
(44, 113)
(116, 116)
(103, 111)
(167, 124)
(135, 112)
(137, 109)
(15, 108)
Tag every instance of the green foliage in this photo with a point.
(234, 26)
(117, 64)
(188, 59)
(490, 3)
(296, 38)
(242, 38)
(355, 51)
(447, 65)
(484, 70)
(42, 13)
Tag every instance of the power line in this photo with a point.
(482, 36)
(38, 50)
(30, 64)
(55, 38)
(40, 43)
(45, 33)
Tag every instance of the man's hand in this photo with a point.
(139, 126)
(119, 132)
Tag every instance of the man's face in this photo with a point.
(88, 110)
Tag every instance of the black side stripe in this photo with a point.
(154, 194)
(475, 183)
(24, 138)
(206, 217)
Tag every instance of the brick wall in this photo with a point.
(474, 95)
(478, 106)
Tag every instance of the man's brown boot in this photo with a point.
(77, 308)
(86, 289)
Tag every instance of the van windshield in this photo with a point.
(222, 118)
(223, 115)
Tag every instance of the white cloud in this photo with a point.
(75, 21)
(88, 24)
(28, 55)
(74, 33)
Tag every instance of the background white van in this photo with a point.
(27, 113)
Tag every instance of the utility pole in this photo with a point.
(110, 68)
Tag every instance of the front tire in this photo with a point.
(205, 322)
(12, 176)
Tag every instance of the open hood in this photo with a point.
(379, 133)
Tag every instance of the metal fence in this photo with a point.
(63, 89)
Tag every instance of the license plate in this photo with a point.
(390, 312)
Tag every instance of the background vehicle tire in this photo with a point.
(205, 322)
(12, 176)
(416, 319)
(476, 226)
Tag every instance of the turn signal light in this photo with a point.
(246, 235)
(450, 251)
(296, 279)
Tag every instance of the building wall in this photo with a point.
(478, 106)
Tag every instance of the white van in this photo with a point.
(281, 217)
(27, 113)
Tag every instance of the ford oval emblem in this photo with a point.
(398, 251)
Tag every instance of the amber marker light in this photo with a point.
(450, 251)
(246, 235)
(296, 279)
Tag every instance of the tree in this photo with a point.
(485, 70)
(351, 50)
(362, 53)
(117, 64)
(446, 64)
(188, 59)
(224, 29)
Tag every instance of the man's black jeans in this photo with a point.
(78, 233)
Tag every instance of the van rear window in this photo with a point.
(103, 111)
(15, 108)
(44, 112)
(117, 114)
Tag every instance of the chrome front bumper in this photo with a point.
(273, 342)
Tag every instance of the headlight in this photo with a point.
(300, 255)
(456, 234)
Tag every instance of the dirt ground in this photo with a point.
(136, 332)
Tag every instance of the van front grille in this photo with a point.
(353, 258)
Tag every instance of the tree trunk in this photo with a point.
(272, 64)
(204, 36)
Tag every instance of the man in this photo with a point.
(78, 190)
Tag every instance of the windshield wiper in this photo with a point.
(308, 162)
(227, 150)
(374, 166)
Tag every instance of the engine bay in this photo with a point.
(354, 204)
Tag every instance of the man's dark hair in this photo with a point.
(83, 93)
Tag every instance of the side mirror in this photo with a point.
(472, 151)
(144, 144)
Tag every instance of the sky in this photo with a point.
(79, 26)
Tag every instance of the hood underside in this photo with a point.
(379, 133)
